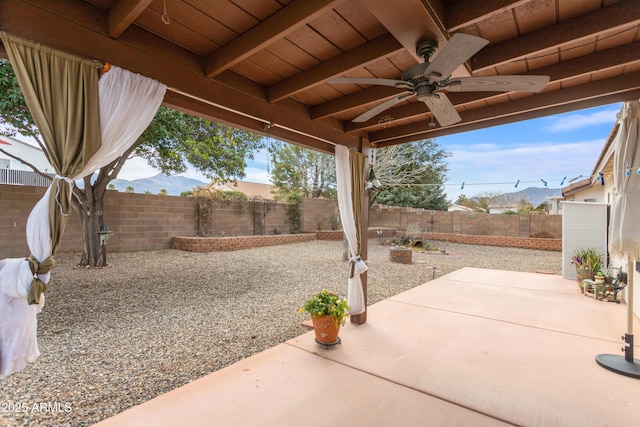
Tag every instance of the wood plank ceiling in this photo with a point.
(263, 65)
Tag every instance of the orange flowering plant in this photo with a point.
(327, 303)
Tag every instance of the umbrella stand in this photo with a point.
(624, 365)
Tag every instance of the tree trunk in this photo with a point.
(88, 202)
(91, 215)
(93, 253)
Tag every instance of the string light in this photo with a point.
(599, 177)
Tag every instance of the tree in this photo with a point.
(411, 175)
(169, 142)
(305, 172)
(129, 189)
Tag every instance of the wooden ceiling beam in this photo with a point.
(195, 107)
(351, 101)
(410, 21)
(601, 60)
(468, 12)
(288, 19)
(355, 58)
(623, 13)
(615, 89)
(527, 115)
(78, 36)
(123, 13)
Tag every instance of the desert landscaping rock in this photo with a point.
(153, 321)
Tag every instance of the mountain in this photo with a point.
(173, 184)
(534, 195)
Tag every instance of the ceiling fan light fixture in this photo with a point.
(423, 79)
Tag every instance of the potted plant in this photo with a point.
(587, 261)
(600, 276)
(328, 312)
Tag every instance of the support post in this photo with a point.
(367, 150)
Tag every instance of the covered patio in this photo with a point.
(474, 347)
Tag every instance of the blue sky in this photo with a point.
(549, 148)
(492, 160)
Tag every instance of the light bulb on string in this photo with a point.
(518, 182)
(601, 178)
(462, 187)
(563, 180)
(627, 172)
(544, 182)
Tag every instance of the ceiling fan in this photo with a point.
(426, 80)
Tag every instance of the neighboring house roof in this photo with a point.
(456, 207)
(22, 150)
(250, 189)
(604, 164)
(576, 187)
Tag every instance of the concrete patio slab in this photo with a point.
(475, 347)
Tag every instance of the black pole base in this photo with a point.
(619, 365)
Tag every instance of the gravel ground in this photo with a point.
(153, 321)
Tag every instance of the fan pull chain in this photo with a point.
(165, 16)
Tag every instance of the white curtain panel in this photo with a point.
(355, 293)
(128, 103)
(624, 230)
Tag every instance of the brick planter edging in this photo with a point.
(400, 255)
(509, 242)
(223, 244)
(372, 233)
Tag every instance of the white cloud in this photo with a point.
(487, 168)
(257, 175)
(137, 168)
(581, 120)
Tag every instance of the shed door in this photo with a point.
(583, 225)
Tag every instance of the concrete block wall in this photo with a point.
(457, 222)
(16, 201)
(237, 219)
(149, 222)
(317, 214)
(139, 222)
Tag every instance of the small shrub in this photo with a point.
(334, 222)
(413, 230)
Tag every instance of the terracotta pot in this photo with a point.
(325, 329)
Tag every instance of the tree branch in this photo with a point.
(35, 169)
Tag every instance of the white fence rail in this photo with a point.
(16, 177)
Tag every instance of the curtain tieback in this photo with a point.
(38, 286)
(352, 265)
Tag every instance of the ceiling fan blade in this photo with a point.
(460, 48)
(371, 81)
(498, 83)
(380, 108)
(442, 108)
